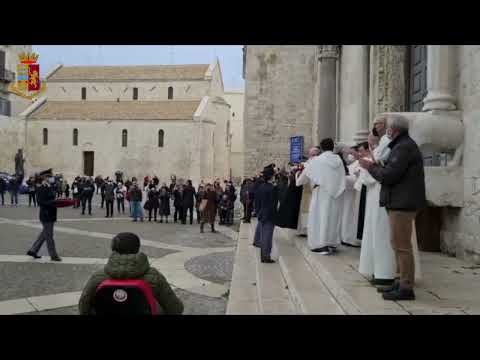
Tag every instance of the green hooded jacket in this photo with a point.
(132, 266)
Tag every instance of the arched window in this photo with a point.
(161, 135)
(124, 138)
(75, 137)
(45, 136)
(170, 93)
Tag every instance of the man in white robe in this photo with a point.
(327, 173)
(377, 259)
(349, 203)
(306, 196)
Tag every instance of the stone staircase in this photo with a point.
(303, 282)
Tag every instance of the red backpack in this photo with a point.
(125, 297)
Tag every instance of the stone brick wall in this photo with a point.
(461, 227)
(236, 102)
(279, 102)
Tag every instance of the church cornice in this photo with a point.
(328, 51)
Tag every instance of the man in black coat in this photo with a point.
(3, 187)
(86, 193)
(267, 199)
(188, 201)
(403, 195)
(48, 216)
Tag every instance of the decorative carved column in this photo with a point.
(363, 126)
(440, 78)
(388, 90)
(327, 102)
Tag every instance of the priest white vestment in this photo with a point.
(349, 211)
(327, 174)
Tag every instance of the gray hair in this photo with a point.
(398, 122)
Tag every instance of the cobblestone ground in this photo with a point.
(198, 266)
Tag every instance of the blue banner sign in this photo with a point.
(296, 149)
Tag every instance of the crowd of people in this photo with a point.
(362, 196)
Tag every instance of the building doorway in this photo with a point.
(88, 159)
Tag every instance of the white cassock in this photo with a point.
(349, 219)
(325, 210)
(304, 204)
(377, 257)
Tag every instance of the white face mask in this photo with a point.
(350, 158)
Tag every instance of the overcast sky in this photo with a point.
(230, 57)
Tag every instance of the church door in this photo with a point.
(418, 77)
(88, 157)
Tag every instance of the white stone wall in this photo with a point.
(111, 91)
(461, 227)
(279, 102)
(236, 102)
(12, 138)
(142, 156)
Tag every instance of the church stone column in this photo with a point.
(327, 101)
(363, 127)
(440, 78)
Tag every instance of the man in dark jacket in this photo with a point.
(3, 187)
(188, 201)
(14, 186)
(178, 203)
(403, 195)
(48, 216)
(135, 195)
(109, 197)
(267, 199)
(126, 262)
(86, 193)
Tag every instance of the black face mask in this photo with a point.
(375, 132)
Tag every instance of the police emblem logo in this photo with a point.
(120, 295)
(28, 84)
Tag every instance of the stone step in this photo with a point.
(273, 295)
(352, 291)
(243, 297)
(309, 294)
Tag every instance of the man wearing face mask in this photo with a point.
(402, 194)
(48, 216)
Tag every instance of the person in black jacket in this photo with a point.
(153, 202)
(403, 195)
(267, 199)
(48, 216)
(178, 203)
(87, 190)
(188, 201)
(164, 197)
(3, 187)
(14, 186)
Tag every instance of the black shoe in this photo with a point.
(55, 258)
(333, 249)
(323, 250)
(32, 254)
(399, 294)
(268, 261)
(394, 286)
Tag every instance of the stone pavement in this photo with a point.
(198, 266)
(303, 282)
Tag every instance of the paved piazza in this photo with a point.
(198, 266)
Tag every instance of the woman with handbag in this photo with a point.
(208, 208)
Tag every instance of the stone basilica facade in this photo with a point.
(338, 90)
(156, 120)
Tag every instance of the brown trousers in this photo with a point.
(401, 238)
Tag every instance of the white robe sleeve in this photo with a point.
(301, 178)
